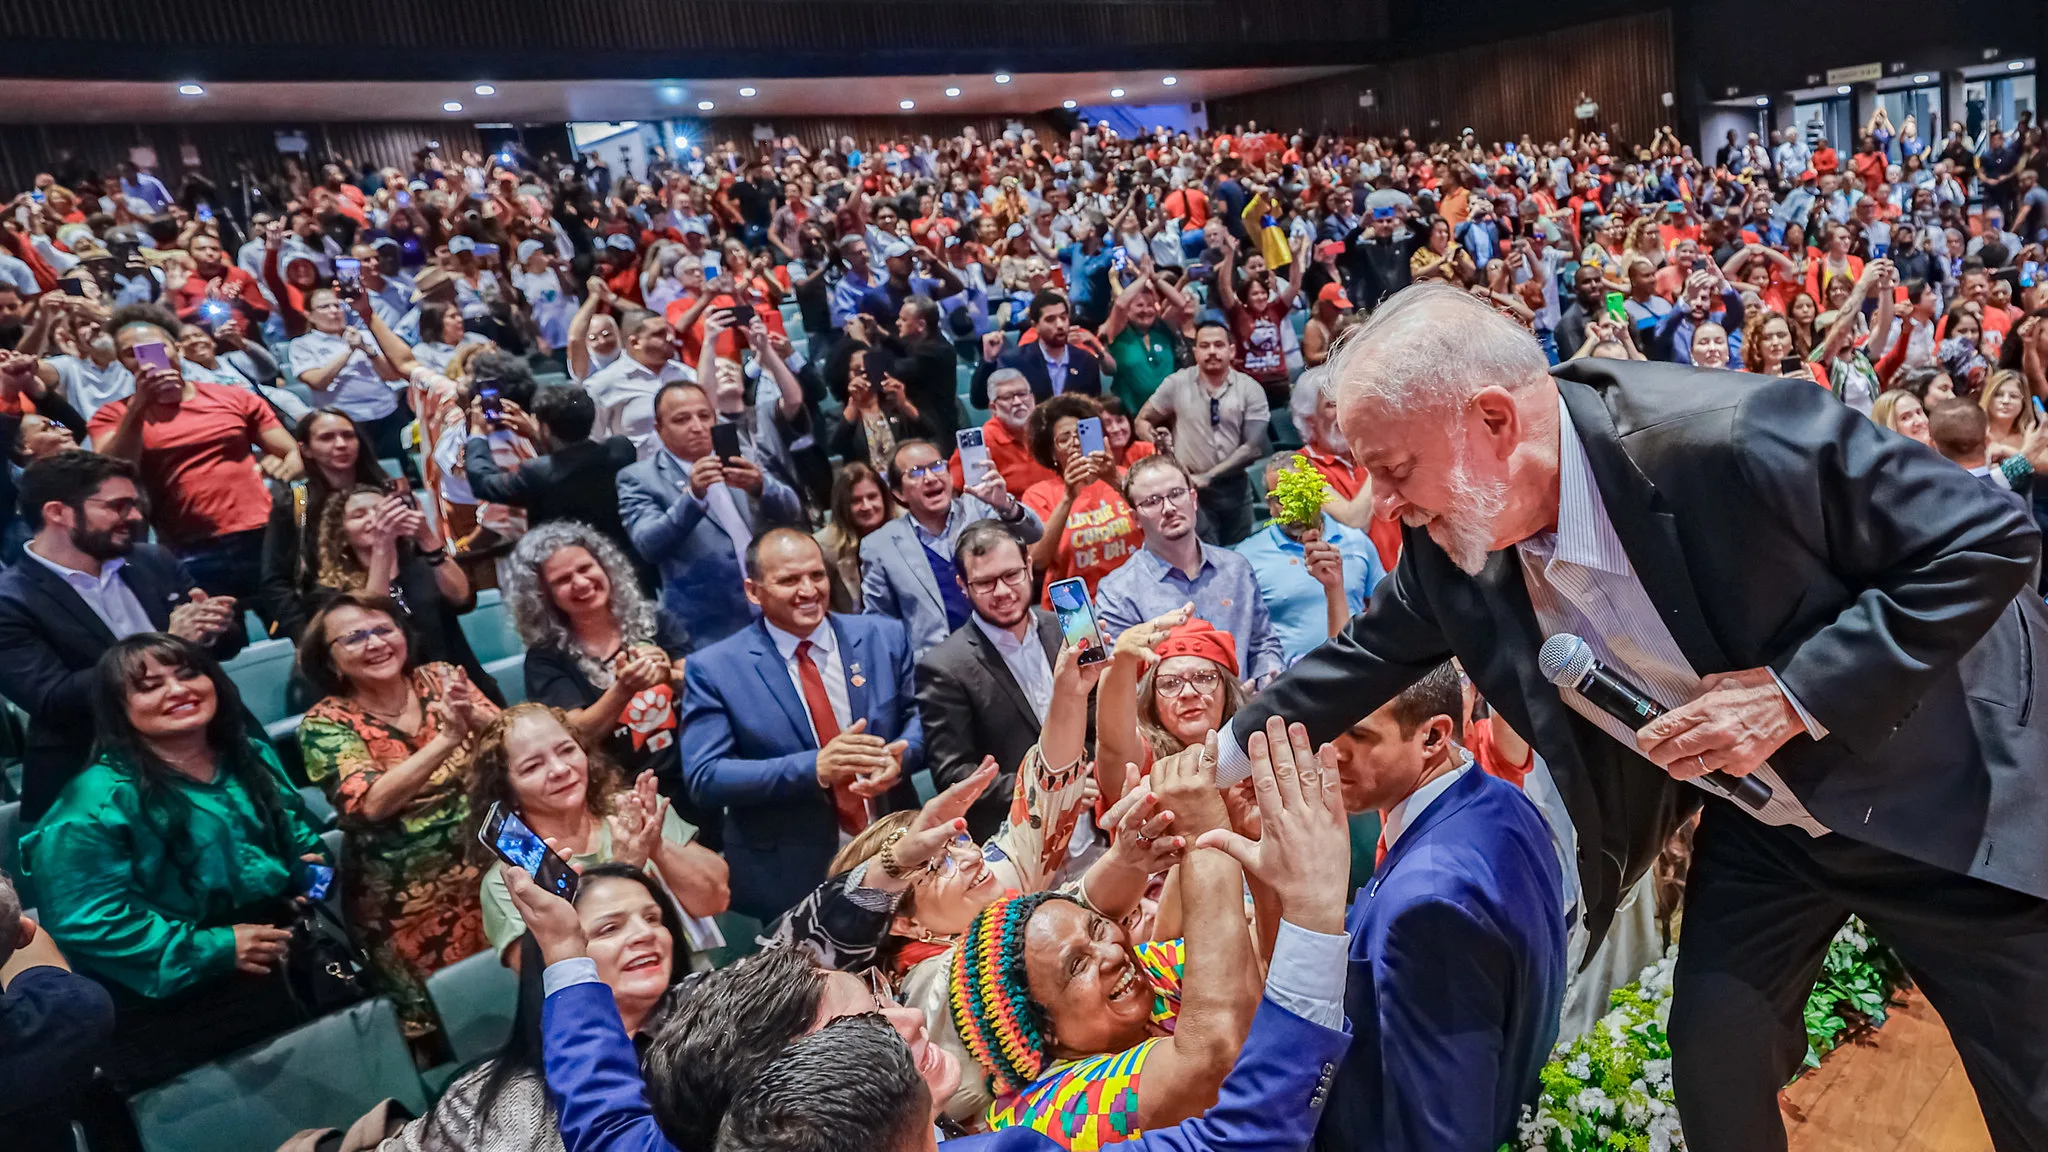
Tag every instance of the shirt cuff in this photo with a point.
(1307, 974)
(583, 970)
(1814, 728)
(1232, 764)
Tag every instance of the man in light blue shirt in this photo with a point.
(1313, 580)
(858, 280)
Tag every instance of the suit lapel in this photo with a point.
(155, 599)
(858, 663)
(991, 660)
(911, 549)
(55, 589)
(1647, 530)
(1459, 794)
(775, 678)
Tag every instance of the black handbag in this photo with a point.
(324, 968)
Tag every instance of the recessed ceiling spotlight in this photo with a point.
(1169, 81)
(1116, 93)
(1921, 78)
(750, 93)
(1002, 77)
(1841, 89)
(1070, 104)
(2015, 65)
(906, 105)
(190, 89)
(451, 106)
(1763, 101)
(952, 91)
(705, 105)
(486, 90)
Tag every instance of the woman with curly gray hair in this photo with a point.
(601, 651)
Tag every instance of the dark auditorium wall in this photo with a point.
(28, 149)
(1500, 89)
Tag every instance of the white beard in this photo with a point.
(1464, 529)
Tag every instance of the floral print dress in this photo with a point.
(410, 891)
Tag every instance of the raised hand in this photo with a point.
(1304, 847)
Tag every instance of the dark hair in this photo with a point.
(1112, 406)
(154, 315)
(927, 312)
(70, 478)
(737, 1021)
(316, 656)
(1916, 381)
(1957, 427)
(368, 472)
(632, 320)
(1155, 461)
(673, 386)
(433, 315)
(895, 472)
(1216, 324)
(567, 413)
(2012, 353)
(514, 378)
(848, 1087)
(1438, 693)
(785, 533)
(1042, 301)
(164, 808)
(849, 477)
(981, 538)
(1038, 428)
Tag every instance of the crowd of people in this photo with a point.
(717, 436)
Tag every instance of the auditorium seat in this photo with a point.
(476, 999)
(488, 627)
(262, 673)
(510, 673)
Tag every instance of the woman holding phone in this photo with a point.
(533, 762)
(389, 741)
(879, 413)
(1090, 529)
(336, 460)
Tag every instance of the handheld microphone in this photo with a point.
(1568, 662)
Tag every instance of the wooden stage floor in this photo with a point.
(1899, 1089)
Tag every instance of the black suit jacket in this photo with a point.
(1772, 526)
(972, 707)
(51, 641)
(1084, 372)
(574, 482)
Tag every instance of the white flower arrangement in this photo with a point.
(1610, 1089)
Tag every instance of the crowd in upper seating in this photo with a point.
(775, 457)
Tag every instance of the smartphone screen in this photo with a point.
(404, 199)
(2030, 271)
(487, 398)
(486, 251)
(725, 440)
(74, 287)
(974, 461)
(348, 272)
(319, 878)
(1077, 619)
(204, 212)
(506, 835)
(1617, 307)
(1090, 433)
(153, 355)
(742, 316)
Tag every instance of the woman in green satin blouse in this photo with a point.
(167, 869)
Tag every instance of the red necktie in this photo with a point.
(853, 811)
(1379, 851)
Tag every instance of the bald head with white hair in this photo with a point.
(1450, 408)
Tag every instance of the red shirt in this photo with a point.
(249, 301)
(197, 464)
(1011, 457)
(728, 344)
(1487, 754)
(1101, 531)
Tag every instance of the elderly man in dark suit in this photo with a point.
(84, 582)
(1820, 604)
(984, 690)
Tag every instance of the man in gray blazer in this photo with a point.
(907, 564)
(692, 515)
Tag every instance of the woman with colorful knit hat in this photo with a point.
(1052, 790)
(1089, 1037)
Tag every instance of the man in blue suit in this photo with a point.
(1457, 945)
(691, 514)
(802, 726)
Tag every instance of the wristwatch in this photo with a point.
(437, 556)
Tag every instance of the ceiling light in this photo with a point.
(486, 90)
(682, 143)
(1169, 81)
(670, 94)
(1002, 77)
(1116, 93)
(2015, 65)
(451, 106)
(190, 89)
(1922, 78)
(1841, 89)
(906, 105)
(749, 92)
(1070, 104)
(952, 91)
(1763, 101)
(705, 105)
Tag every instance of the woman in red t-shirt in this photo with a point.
(1089, 528)
(1257, 315)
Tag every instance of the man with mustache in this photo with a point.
(1818, 604)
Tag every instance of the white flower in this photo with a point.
(1591, 1102)
(1657, 1072)
(1580, 1067)
(1634, 1114)
(1665, 1135)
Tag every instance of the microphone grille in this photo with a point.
(1565, 659)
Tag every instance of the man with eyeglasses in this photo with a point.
(85, 581)
(1177, 567)
(984, 691)
(907, 568)
(1219, 417)
(1006, 433)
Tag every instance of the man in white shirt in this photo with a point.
(624, 390)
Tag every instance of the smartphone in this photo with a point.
(508, 837)
(74, 286)
(2030, 270)
(1119, 259)
(204, 212)
(400, 486)
(348, 274)
(1789, 365)
(1090, 433)
(725, 441)
(153, 355)
(1077, 619)
(487, 399)
(2040, 409)
(486, 251)
(213, 313)
(36, 194)
(1617, 307)
(319, 878)
(974, 461)
(404, 199)
(742, 318)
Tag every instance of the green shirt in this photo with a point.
(1143, 359)
(127, 907)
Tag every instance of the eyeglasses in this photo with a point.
(958, 854)
(360, 638)
(122, 506)
(1015, 578)
(1202, 682)
(1215, 411)
(878, 987)
(1152, 504)
(935, 468)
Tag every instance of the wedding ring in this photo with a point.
(1703, 762)
(1146, 839)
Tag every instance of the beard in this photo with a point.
(1464, 529)
(106, 543)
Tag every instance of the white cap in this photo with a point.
(461, 244)
(527, 248)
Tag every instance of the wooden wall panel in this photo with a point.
(28, 149)
(1500, 90)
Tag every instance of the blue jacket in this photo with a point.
(701, 582)
(1269, 1102)
(747, 748)
(1457, 978)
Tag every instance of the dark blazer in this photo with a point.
(972, 707)
(52, 641)
(1773, 526)
(748, 748)
(577, 481)
(1084, 372)
(1456, 978)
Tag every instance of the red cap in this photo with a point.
(1334, 293)
(1198, 637)
(1809, 174)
